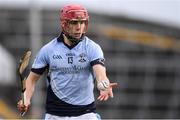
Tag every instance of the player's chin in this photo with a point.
(77, 35)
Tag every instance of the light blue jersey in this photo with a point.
(70, 69)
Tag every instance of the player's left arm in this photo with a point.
(103, 83)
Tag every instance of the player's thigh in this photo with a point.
(54, 117)
(87, 116)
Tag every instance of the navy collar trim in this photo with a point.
(61, 39)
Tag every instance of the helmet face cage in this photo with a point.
(71, 13)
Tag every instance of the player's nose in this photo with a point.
(78, 25)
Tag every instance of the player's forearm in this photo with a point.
(101, 78)
(100, 72)
(30, 86)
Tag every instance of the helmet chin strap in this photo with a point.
(72, 39)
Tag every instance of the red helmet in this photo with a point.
(73, 12)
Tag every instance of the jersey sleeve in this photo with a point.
(40, 62)
(96, 55)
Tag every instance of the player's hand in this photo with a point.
(104, 95)
(23, 108)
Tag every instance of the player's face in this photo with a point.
(76, 28)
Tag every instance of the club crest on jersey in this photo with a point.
(82, 57)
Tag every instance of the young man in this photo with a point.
(73, 61)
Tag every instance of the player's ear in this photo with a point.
(62, 24)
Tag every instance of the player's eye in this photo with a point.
(74, 22)
(82, 21)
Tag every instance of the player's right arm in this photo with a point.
(38, 67)
(30, 87)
